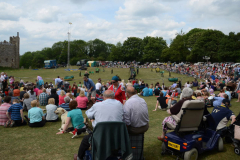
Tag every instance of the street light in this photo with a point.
(206, 58)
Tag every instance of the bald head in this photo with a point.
(108, 94)
(130, 91)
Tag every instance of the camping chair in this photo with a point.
(97, 70)
(90, 72)
(190, 116)
(109, 138)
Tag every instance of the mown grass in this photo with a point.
(43, 143)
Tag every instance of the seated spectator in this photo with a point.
(75, 116)
(226, 90)
(35, 115)
(66, 104)
(40, 90)
(27, 102)
(61, 97)
(16, 118)
(145, 91)
(178, 89)
(43, 98)
(164, 91)
(12, 97)
(221, 93)
(142, 85)
(161, 102)
(135, 113)
(151, 90)
(218, 100)
(32, 94)
(16, 92)
(78, 91)
(186, 95)
(59, 90)
(55, 96)
(51, 108)
(107, 110)
(82, 101)
(22, 93)
(3, 110)
(35, 89)
(156, 91)
(222, 114)
(199, 96)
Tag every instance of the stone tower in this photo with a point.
(9, 52)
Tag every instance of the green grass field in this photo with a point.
(43, 143)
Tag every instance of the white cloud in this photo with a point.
(48, 14)
(9, 12)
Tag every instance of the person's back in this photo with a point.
(27, 103)
(3, 109)
(43, 97)
(150, 91)
(16, 92)
(35, 114)
(107, 110)
(146, 92)
(82, 101)
(137, 111)
(55, 96)
(51, 115)
(156, 91)
(15, 111)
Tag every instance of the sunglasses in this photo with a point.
(113, 81)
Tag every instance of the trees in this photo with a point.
(132, 49)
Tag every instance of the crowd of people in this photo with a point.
(115, 100)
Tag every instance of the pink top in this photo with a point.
(82, 102)
(3, 109)
(61, 99)
(36, 91)
(40, 91)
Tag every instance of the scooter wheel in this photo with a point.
(163, 148)
(237, 150)
(191, 155)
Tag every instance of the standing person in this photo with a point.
(91, 89)
(98, 87)
(135, 113)
(40, 81)
(58, 82)
(117, 89)
(3, 109)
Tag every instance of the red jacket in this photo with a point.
(119, 93)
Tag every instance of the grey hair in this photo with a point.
(187, 92)
(110, 95)
(67, 99)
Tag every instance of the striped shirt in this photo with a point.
(3, 109)
(135, 112)
(15, 111)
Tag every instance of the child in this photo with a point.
(16, 118)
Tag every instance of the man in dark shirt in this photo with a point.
(156, 91)
(23, 92)
(86, 74)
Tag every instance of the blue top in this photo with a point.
(221, 116)
(150, 92)
(59, 91)
(90, 84)
(213, 77)
(65, 106)
(217, 101)
(15, 111)
(145, 91)
(107, 110)
(76, 118)
(164, 93)
(35, 114)
(229, 95)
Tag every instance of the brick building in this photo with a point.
(9, 52)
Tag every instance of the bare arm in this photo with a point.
(233, 117)
(66, 125)
(7, 113)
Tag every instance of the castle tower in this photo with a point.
(15, 59)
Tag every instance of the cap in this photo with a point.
(226, 102)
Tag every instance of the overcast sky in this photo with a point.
(41, 23)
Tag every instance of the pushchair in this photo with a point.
(233, 135)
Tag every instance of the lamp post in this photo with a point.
(206, 58)
(69, 44)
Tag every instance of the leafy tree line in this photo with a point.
(191, 46)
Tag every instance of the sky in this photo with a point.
(41, 23)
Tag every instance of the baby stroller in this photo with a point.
(233, 135)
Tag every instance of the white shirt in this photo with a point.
(48, 90)
(98, 86)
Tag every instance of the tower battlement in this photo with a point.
(9, 52)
